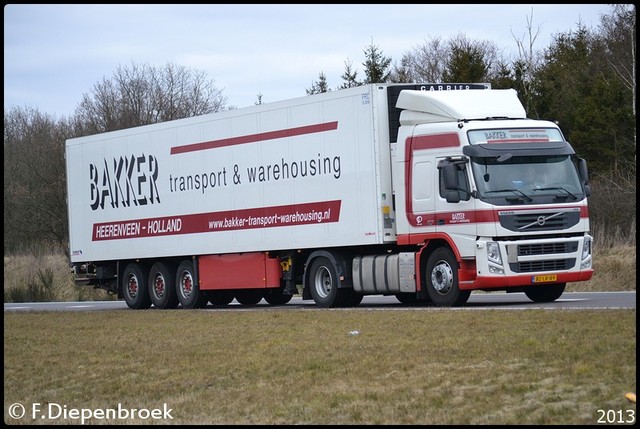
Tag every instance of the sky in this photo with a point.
(54, 54)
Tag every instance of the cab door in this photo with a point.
(455, 209)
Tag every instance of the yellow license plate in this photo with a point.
(544, 279)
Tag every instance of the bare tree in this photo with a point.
(437, 61)
(142, 94)
(619, 31)
(401, 73)
(426, 62)
(527, 62)
(35, 211)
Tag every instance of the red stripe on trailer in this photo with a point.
(230, 220)
(253, 138)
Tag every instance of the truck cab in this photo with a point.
(503, 198)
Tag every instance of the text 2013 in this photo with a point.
(616, 416)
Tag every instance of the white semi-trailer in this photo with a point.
(426, 192)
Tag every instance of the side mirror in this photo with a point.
(582, 170)
(450, 176)
(584, 175)
(452, 196)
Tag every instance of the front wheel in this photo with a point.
(442, 279)
(545, 293)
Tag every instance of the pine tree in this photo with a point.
(375, 65)
(349, 77)
(319, 86)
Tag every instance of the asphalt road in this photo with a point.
(477, 301)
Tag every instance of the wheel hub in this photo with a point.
(442, 278)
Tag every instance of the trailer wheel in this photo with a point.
(545, 293)
(162, 290)
(277, 296)
(323, 283)
(187, 287)
(220, 297)
(249, 296)
(442, 279)
(134, 287)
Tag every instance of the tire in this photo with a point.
(188, 288)
(442, 279)
(277, 296)
(412, 298)
(545, 293)
(407, 298)
(323, 284)
(134, 287)
(249, 296)
(352, 298)
(162, 289)
(220, 298)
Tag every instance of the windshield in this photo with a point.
(527, 179)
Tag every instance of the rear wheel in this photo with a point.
(187, 288)
(442, 279)
(545, 293)
(134, 287)
(323, 284)
(162, 290)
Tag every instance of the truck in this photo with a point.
(425, 192)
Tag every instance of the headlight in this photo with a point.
(493, 253)
(586, 254)
(586, 248)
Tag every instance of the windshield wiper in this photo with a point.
(516, 191)
(557, 188)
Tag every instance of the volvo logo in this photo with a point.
(541, 220)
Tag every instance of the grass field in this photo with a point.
(406, 366)
(427, 366)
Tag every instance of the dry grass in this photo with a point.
(614, 270)
(49, 276)
(45, 276)
(426, 366)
